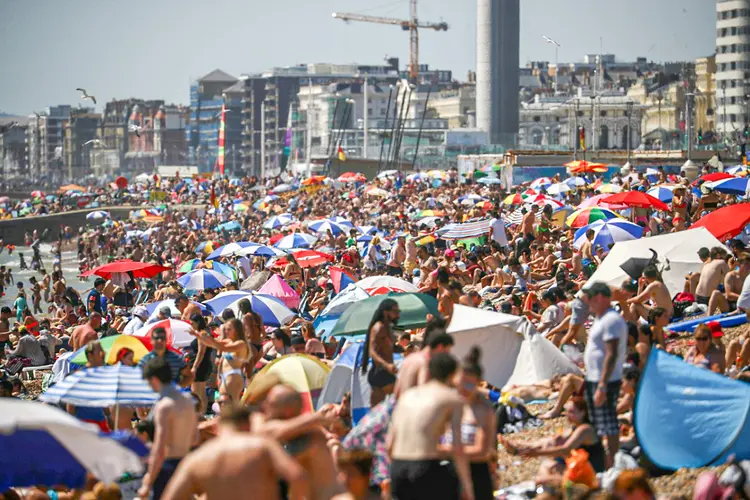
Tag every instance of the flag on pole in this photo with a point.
(222, 125)
(582, 138)
(342, 155)
(214, 201)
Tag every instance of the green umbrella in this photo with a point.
(414, 310)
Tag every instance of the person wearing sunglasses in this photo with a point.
(181, 373)
(704, 353)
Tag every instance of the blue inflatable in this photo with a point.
(686, 416)
(725, 320)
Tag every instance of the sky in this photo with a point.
(153, 49)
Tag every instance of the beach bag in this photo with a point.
(578, 469)
(681, 302)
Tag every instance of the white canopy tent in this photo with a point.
(677, 254)
(512, 351)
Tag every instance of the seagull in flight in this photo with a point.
(135, 128)
(96, 142)
(85, 95)
(218, 115)
(549, 40)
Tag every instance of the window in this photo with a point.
(579, 113)
(734, 13)
(536, 118)
(602, 113)
(733, 65)
(734, 30)
(733, 117)
(732, 100)
(723, 66)
(734, 83)
(734, 48)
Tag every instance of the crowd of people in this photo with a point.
(432, 428)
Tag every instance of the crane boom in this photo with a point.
(412, 25)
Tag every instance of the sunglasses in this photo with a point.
(701, 339)
(159, 337)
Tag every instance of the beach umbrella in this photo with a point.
(112, 346)
(307, 258)
(232, 225)
(585, 216)
(542, 201)
(396, 284)
(469, 199)
(387, 173)
(296, 240)
(225, 299)
(200, 279)
(206, 247)
(737, 170)
(376, 191)
(4, 199)
(575, 182)
(304, 373)
(489, 181)
(277, 287)
(97, 214)
(260, 250)
(352, 177)
(278, 221)
(325, 225)
(637, 199)
(154, 307)
(583, 166)
(491, 168)
(735, 185)
(558, 189)
(37, 194)
(51, 447)
(609, 188)
(121, 182)
(178, 332)
(230, 249)
(516, 217)
(608, 232)
(429, 213)
(270, 198)
(485, 205)
(540, 183)
(282, 188)
(713, 177)
(340, 279)
(597, 201)
(438, 174)
(314, 180)
(414, 310)
(272, 311)
(102, 387)
(662, 193)
(137, 269)
(726, 222)
(417, 177)
(367, 229)
(71, 188)
(240, 207)
(342, 221)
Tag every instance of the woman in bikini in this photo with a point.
(253, 326)
(293, 274)
(679, 204)
(236, 353)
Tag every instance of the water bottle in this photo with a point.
(8, 350)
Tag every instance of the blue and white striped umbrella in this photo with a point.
(97, 214)
(200, 279)
(261, 250)
(272, 310)
(367, 229)
(559, 188)
(489, 180)
(154, 307)
(737, 185)
(325, 225)
(225, 269)
(230, 249)
(469, 199)
(608, 232)
(575, 181)
(278, 221)
(342, 221)
(296, 240)
(663, 193)
(270, 198)
(225, 299)
(737, 169)
(102, 387)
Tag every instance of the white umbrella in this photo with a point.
(178, 331)
(387, 173)
(559, 188)
(97, 214)
(386, 282)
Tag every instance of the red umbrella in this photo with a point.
(121, 182)
(726, 222)
(139, 269)
(307, 258)
(636, 199)
(716, 176)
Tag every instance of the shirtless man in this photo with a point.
(445, 296)
(5, 314)
(397, 257)
(176, 428)
(527, 223)
(420, 468)
(712, 275)
(733, 281)
(654, 290)
(414, 370)
(252, 323)
(186, 308)
(379, 346)
(237, 464)
(85, 333)
(586, 246)
(691, 279)
(309, 449)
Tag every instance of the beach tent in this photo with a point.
(687, 416)
(513, 353)
(677, 255)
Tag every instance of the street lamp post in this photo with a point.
(557, 46)
(630, 114)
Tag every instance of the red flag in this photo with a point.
(214, 201)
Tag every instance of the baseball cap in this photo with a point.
(715, 328)
(141, 312)
(165, 310)
(598, 288)
(450, 253)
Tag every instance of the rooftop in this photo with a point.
(217, 76)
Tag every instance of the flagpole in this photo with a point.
(366, 117)
(385, 127)
(308, 142)
(421, 125)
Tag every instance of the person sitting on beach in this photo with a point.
(704, 353)
(712, 275)
(653, 289)
(726, 300)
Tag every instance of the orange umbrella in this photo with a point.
(315, 179)
(583, 166)
(72, 187)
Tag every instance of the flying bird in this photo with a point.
(96, 142)
(218, 115)
(85, 95)
(549, 40)
(135, 128)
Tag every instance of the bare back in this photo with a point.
(712, 275)
(176, 423)
(412, 371)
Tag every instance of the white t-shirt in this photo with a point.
(609, 326)
(743, 302)
(551, 317)
(498, 232)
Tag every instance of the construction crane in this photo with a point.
(412, 25)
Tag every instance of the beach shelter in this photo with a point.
(277, 287)
(178, 332)
(687, 416)
(677, 255)
(304, 373)
(513, 353)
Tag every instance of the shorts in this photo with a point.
(393, 270)
(168, 469)
(604, 417)
(700, 299)
(378, 377)
(424, 479)
(732, 305)
(579, 312)
(481, 479)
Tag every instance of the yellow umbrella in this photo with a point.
(609, 188)
(126, 342)
(304, 373)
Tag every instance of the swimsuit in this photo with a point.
(168, 468)
(228, 356)
(424, 479)
(378, 377)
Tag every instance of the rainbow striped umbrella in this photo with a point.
(586, 216)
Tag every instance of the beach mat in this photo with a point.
(727, 320)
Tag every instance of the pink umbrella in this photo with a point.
(596, 201)
(277, 287)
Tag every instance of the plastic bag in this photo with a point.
(579, 470)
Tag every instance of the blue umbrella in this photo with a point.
(737, 186)
(102, 387)
(225, 269)
(367, 229)
(225, 299)
(608, 232)
(261, 250)
(154, 307)
(278, 221)
(230, 249)
(47, 446)
(341, 221)
(272, 310)
(200, 279)
(229, 226)
(489, 180)
(296, 240)
(325, 225)
(663, 193)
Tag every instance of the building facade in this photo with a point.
(45, 143)
(13, 154)
(732, 66)
(78, 132)
(457, 106)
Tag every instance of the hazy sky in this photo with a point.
(152, 49)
